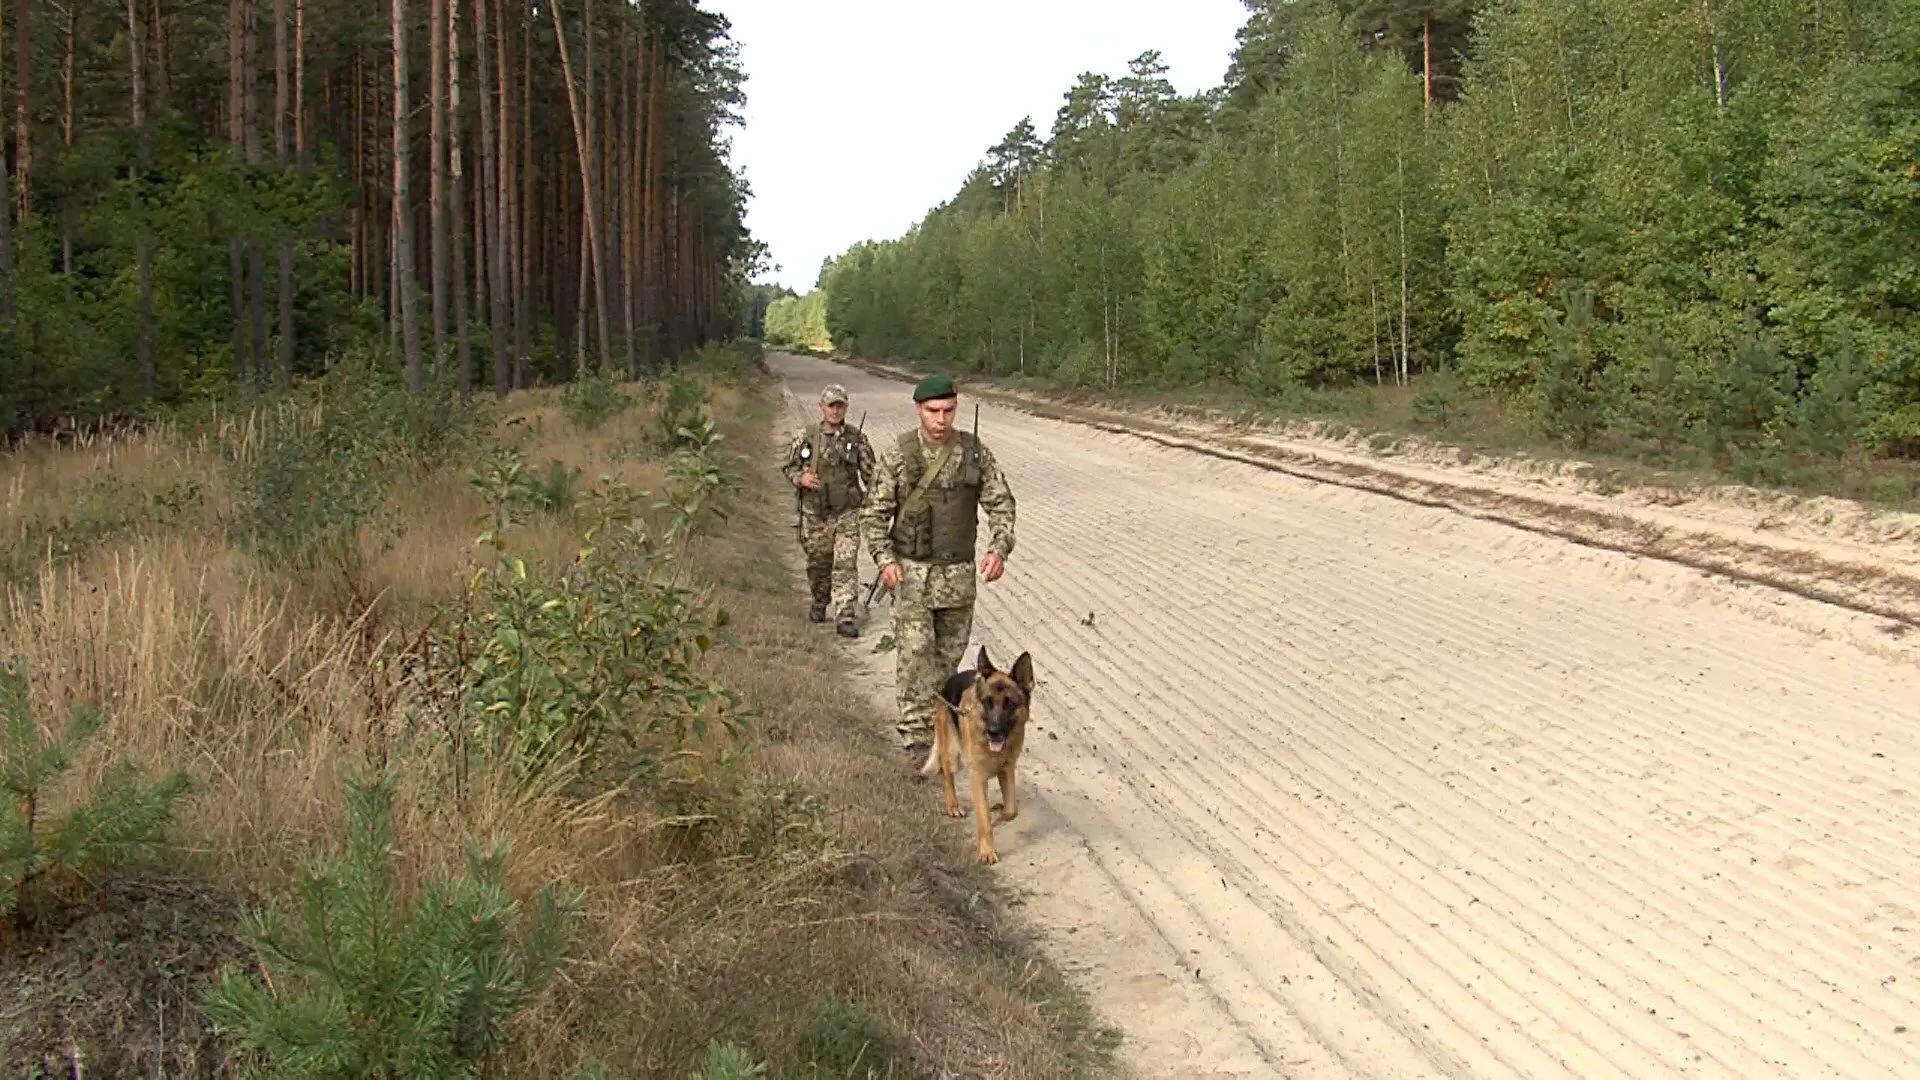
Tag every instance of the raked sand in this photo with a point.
(1325, 784)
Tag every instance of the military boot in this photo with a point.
(820, 583)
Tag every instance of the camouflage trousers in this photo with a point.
(832, 546)
(932, 620)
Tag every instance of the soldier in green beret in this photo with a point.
(921, 522)
(831, 465)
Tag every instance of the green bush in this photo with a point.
(683, 411)
(124, 817)
(107, 509)
(314, 469)
(848, 1042)
(729, 1061)
(593, 400)
(1569, 379)
(1434, 407)
(368, 982)
(515, 492)
(556, 668)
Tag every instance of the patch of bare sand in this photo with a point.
(1328, 784)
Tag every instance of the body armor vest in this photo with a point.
(835, 459)
(941, 527)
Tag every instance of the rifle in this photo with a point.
(860, 429)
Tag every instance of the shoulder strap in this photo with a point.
(926, 478)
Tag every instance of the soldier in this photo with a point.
(921, 523)
(830, 466)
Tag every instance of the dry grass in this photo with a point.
(787, 892)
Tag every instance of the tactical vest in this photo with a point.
(836, 461)
(941, 528)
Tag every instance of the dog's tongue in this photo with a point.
(996, 744)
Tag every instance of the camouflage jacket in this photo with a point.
(845, 452)
(889, 489)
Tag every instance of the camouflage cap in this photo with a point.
(834, 394)
(933, 387)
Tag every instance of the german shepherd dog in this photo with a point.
(982, 714)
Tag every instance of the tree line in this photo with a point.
(205, 194)
(1656, 222)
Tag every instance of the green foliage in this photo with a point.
(1706, 176)
(555, 669)
(1569, 381)
(71, 350)
(729, 1061)
(848, 1042)
(371, 979)
(515, 492)
(682, 421)
(107, 508)
(799, 322)
(1434, 407)
(726, 363)
(591, 401)
(312, 470)
(122, 818)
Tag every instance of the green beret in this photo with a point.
(932, 387)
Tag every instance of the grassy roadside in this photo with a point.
(276, 609)
(1438, 409)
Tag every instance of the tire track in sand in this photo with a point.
(1337, 785)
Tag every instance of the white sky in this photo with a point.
(863, 114)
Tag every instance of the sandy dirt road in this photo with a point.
(1324, 784)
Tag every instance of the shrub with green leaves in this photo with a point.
(558, 667)
(368, 981)
(515, 491)
(593, 400)
(683, 412)
(315, 469)
(121, 819)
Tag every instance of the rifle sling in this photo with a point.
(919, 495)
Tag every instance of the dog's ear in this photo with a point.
(983, 665)
(1023, 673)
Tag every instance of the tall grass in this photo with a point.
(774, 884)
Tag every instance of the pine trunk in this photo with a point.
(520, 198)
(6, 203)
(582, 115)
(1426, 65)
(236, 138)
(436, 171)
(489, 197)
(23, 112)
(66, 134)
(654, 291)
(282, 104)
(457, 194)
(149, 378)
(403, 272)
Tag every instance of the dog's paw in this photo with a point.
(1009, 814)
(988, 855)
(953, 810)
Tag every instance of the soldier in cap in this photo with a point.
(830, 465)
(921, 523)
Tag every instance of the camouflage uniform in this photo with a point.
(830, 514)
(933, 606)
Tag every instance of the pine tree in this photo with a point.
(123, 817)
(368, 984)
